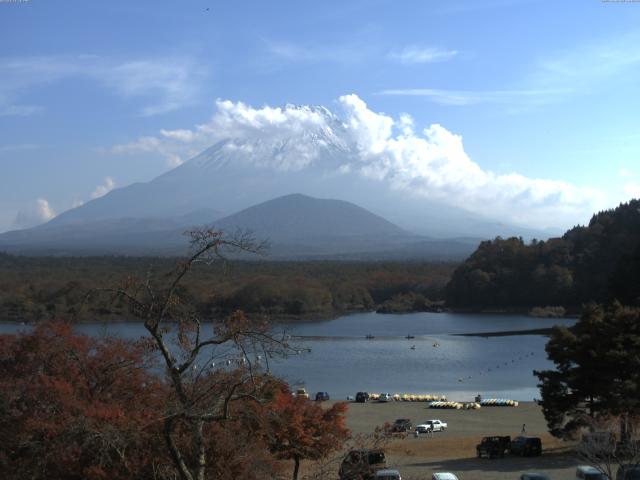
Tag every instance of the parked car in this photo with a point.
(526, 446)
(587, 472)
(301, 392)
(492, 447)
(436, 425)
(443, 476)
(387, 474)
(322, 396)
(534, 476)
(431, 425)
(362, 397)
(385, 397)
(423, 428)
(362, 464)
(402, 425)
(628, 472)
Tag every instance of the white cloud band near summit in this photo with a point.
(431, 163)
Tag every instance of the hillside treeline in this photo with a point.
(596, 263)
(38, 288)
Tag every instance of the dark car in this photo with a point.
(526, 446)
(492, 447)
(534, 476)
(322, 396)
(362, 397)
(402, 425)
(587, 472)
(362, 464)
(628, 472)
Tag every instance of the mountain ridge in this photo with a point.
(320, 160)
(298, 227)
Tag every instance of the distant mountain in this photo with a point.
(125, 236)
(300, 217)
(236, 173)
(296, 226)
(240, 173)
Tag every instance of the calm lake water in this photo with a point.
(342, 361)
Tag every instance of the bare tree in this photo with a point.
(602, 447)
(208, 372)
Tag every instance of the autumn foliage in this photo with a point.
(300, 429)
(72, 406)
(190, 400)
(78, 407)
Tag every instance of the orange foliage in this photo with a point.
(301, 429)
(76, 407)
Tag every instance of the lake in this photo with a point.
(342, 360)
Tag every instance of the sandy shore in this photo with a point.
(454, 449)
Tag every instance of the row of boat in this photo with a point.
(398, 397)
(440, 401)
(498, 402)
(455, 405)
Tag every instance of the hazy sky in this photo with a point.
(536, 98)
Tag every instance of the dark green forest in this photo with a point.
(594, 263)
(38, 288)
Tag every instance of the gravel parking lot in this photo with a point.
(454, 449)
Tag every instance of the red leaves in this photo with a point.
(302, 428)
(70, 404)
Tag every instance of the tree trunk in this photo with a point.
(176, 456)
(200, 451)
(624, 429)
(296, 467)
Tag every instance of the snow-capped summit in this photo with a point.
(250, 156)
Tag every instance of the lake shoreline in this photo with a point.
(310, 317)
(508, 333)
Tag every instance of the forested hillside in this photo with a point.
(39, 288)
(597, 263)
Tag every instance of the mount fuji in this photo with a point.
(318, 158)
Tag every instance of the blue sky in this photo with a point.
(542, 89)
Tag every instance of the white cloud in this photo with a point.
(163, 146)
(19, 110)
(583, 68)
(182, 135)
(35, 213)
(469, 97)
(341, 53)
(435, 165)
(166, 84)
(249, 130)
(416, 54)
(18, 147)
(554, 78)
(430, 164)
(371, 130)
(104, 188)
